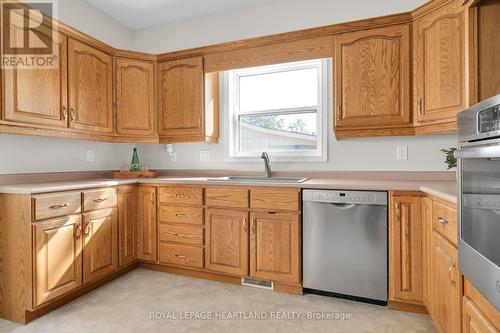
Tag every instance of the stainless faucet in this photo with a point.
(265, 157)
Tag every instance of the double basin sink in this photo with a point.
(260, 179)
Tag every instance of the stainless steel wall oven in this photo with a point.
(479, 196)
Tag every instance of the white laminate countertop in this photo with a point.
(446, 190)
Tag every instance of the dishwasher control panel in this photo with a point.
(347, 197)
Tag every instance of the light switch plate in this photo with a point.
(173, 156)
(204, 155)
(402, 153)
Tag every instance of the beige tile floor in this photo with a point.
(125, 304)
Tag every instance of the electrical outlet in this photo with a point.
(204, 155)
(402, 153)
(173, 156)
(90, 156)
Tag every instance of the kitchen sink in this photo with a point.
(260, 179)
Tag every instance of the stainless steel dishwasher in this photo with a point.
(345, 244)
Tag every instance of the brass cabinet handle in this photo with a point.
(442, 220)
(59, 206)
(450, 276)
(73, 114)
(245, 226)
(153, 198)
(65, 113)
(420, 105)
(87, 230)
(99, 200)
(339, 111)
(180, 195)
(181, 214)
(252, 227)
(180, 256)
(78, 232)
(398, 212)
(179, 235)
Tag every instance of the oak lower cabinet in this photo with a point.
(57, 257)
(372, 82)
(100, 252)
(135, 98)
(427, 216)
(275, 246)
(146, 224)
(227, 241)
(439, 71)
(478, 314)
(127, 217)
(405, 248)
(90, 82)
(446, 285)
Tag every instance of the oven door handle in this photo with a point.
(483, 151)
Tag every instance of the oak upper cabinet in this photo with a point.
(372, 81)
(427, 215)
(90, 80)
(146, 223)
(439, 80)
(275, 246)
(57, 255)
(100, 252)
(187, 104)
(405, 248)
(38, 96)
(446, 285)
(127, 215)
(135, 98)
(227, 241)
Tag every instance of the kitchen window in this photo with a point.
(280, 109)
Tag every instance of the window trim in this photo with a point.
(228, 79)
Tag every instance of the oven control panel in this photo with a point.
(489, 120)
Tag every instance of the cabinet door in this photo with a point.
(57, 253)
(405, 248)
(372, 78)
(127, 199)
(90, 73)
(100, 253)
(446, 286)
(474, 321)
(439, 65)
(38, 96)
(181, 97)
(427, 251)
(135, 101)
(227, 241)
(275, 246)
(146, 224)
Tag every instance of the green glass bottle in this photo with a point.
(135, 165)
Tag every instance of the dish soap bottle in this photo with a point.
(135, 165)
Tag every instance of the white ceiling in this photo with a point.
(141, 14)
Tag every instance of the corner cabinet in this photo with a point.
(90, 79)
(439, 81)
(135, 98)
(405, 248)
(372, 82)
(127, 216)
(188, 102)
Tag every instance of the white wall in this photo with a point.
(90, 20)
(265, 19)
(22, 153)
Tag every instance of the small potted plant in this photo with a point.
(450, 159)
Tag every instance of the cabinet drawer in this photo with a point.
(444, 221)
(99, 199)
(181, 214)
(181, 255)
(279, 199)
(181, 234)
(226, 197)
(181, 195)
(56, 204)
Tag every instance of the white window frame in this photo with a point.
(229, 96)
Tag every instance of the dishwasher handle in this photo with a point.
(342, 205)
